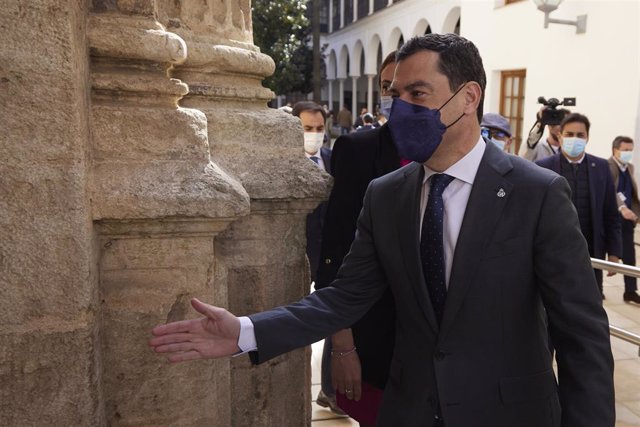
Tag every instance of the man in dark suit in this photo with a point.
(592, 190)
(313, 118)
(499, 243)
(628, 205)
(357, 159)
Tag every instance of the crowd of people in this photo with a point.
(445, 268)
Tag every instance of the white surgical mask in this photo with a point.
(385, 105)
(626, 156)
(573, 147)
(313, 141)
(498, 143)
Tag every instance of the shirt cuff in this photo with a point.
(247, 338)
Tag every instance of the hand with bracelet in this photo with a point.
(346, 373)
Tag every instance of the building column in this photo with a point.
(371, 6)
(341, 93)
(390, 3)
(370, 92)
(330, 93)
(354, 95)
(330, 16)
(355, 10)
(224, 71)
(341, 13)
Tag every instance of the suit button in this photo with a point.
(327, 261)
(439, 355)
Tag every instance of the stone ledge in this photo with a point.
(118, 36)
(165, 189)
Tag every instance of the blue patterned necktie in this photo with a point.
(315, 160)
(432, 246)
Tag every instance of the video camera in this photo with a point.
(550, 114)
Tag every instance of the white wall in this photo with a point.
(600, 68)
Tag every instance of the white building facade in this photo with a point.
(522, 59)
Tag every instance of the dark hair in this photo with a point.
(619, 140)
(308, 106)
(367, 118)
(390, 59)
(575, 118)
(459, 60)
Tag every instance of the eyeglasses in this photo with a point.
(493, 133)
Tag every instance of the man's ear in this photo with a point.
(472, 95)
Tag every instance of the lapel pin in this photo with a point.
(593, 165)
(501, 193)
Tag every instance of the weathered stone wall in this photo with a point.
(49, 367)
(119, 202)
(261, 257)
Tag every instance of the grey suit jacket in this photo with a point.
(615, 174)
(488, 365)
(541, 151)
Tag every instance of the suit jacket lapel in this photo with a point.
(488, 197)
(408, 226)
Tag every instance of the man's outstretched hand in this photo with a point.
(210, 337)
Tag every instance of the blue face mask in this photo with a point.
(626, 156)
(573, 147)
(498, 143)
(386, 102)
(416, 130)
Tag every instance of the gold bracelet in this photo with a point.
(342, 354)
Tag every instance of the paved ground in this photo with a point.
(627, 368)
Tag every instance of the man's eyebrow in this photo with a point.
(418, 84)
(414, 85)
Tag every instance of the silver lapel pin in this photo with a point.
(501, 193)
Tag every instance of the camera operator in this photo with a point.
(551, 117)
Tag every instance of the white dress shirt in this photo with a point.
(455, 198)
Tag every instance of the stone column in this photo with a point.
(49, 339)
(158, 202)
(330, 93)
(354, 96)
(355, 10)
(341, 13)
(330, 16)
(341, 92)
(261, 258)
(370, 92)
(371, 6)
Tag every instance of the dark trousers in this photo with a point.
(598, 274)
(628, 254)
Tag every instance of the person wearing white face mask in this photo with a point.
(313, 118)
(628, 206)
(497, 129)
(592, 190)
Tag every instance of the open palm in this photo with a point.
(213, 336)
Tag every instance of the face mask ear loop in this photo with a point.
(452, 96)
(457, 120)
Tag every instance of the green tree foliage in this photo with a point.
(281, 29)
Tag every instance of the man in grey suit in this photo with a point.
(475, 245)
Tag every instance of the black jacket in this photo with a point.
(357, 159)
